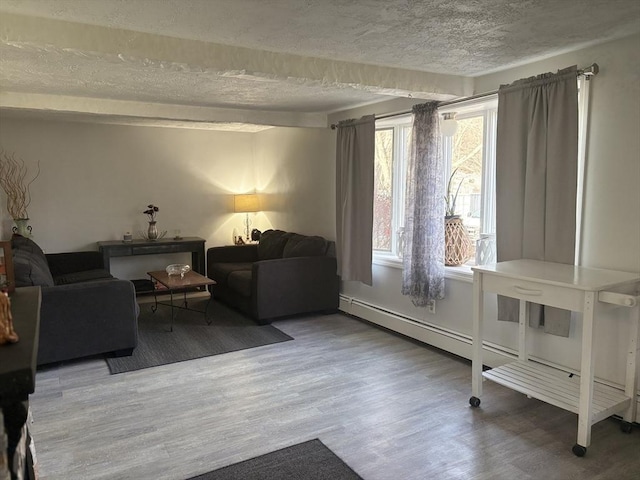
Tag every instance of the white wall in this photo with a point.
(295, 173)
(96, 179)
(611, 216)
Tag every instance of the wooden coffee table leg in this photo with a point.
(172, 310)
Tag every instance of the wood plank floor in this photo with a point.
(389, 407)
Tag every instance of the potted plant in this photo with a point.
(13, 174)
(456, 237)
(451, 198)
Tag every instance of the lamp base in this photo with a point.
(247, 224)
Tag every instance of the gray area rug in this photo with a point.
(192, 337)
(310, 460)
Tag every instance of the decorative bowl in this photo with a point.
(178, 269)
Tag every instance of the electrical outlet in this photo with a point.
(431, 307)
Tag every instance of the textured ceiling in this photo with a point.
(291, 61)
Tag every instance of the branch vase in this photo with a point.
(22, 227)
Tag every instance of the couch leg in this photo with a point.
(125, 352)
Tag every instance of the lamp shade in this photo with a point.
(246, 203)
(449, 125)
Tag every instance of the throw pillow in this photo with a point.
(272, 244)
(304, 246)
(30, 265)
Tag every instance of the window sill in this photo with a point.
(462, 273)
(387, 260)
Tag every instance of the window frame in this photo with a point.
(488, 108)
(398, 184)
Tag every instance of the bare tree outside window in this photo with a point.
(383, 191)
(467, 159)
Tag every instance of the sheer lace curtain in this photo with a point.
(536, 180)
(423, 254)
(355, 161)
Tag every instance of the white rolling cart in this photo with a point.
(573, 288)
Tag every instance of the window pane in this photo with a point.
(467, 159)
(383, 192)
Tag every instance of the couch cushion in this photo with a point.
(272, 244)
(240, 281)
(220, 271)
(84, 276)
(304, 246)
(30, 265)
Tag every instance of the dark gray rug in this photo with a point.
(310, 460)
(192, 337)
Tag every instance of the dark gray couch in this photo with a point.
(284, 274)
(84, 310)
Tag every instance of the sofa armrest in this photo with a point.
(297, 284)
(72, 262)
(232, 253)
(88, 318)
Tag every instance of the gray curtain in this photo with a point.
(355, 149)
(536, 178)
(423, 253)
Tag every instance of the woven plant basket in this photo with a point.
(457, 242)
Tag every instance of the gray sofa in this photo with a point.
(284, 274)
(84, 310)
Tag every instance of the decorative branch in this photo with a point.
(13, 174)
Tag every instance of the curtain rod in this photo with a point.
(588, 72)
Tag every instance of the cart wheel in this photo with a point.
(579, 450)
(626, 427)
(474, 402)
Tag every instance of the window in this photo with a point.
(471, 150)
(392, 142)
(469, 156)
(471, 153)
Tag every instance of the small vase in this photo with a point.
(22, 227)
(152, 233)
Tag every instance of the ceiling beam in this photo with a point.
(162, 53)
(156, 113)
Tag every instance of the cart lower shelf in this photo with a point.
(557, 388)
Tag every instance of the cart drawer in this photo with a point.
(555, 296)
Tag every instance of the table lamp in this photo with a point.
(246, 203)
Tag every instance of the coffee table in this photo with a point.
(176, 284)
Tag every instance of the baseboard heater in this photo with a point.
(446, 339)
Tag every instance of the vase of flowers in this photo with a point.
(151, 211)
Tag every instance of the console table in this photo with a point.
(120, 248)
(18, 369)
(573, 288)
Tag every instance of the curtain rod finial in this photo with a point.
(591, 70)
